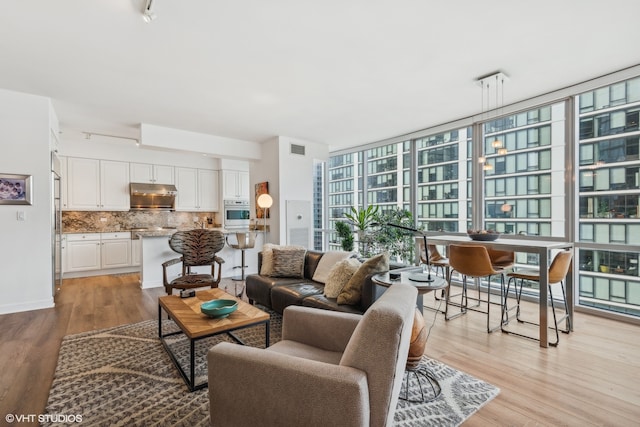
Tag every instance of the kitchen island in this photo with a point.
(155, 250)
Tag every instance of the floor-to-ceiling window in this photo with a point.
(527, 184)
(385, 167)
(318, 203)
(609, 197)
(524, 172)
(342, 190)
(442, 180)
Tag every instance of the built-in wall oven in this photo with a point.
(237, 213)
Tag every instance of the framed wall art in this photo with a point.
(261, 188)
(15, 189)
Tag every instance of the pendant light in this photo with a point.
(494, 85)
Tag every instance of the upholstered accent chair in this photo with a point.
(198, 247)
(329, 369)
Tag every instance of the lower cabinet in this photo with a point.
(116, 250)
(97, 251)
(136, 251)
(83, 252)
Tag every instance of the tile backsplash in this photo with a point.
(81, 221)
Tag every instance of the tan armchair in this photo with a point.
(330, 368)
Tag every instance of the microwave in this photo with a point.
(237, 213)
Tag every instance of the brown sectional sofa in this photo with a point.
(279, 292)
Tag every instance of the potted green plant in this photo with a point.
(399, 243)
(363, 218)
(346, 235)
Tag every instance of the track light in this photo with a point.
(147, 13)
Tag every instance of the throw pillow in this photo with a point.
(339, 276)
(352, 291)
(288, 262)
(327, 262)
(266, 269)
(267, 259)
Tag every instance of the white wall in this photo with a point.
(290, 177)
(296, 178)
(25, 246)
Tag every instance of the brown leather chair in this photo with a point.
(472, 261)
(557, 273)
(198, 247)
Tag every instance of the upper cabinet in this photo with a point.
(197, 190)
(151, 174)
(235, 184)
(97, 184)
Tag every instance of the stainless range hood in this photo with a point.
(156, 197)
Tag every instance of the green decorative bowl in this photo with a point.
(219, 308)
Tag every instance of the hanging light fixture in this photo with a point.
(499, 87)
(493, 84)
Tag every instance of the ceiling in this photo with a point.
(338, 72)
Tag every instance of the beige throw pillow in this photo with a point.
(339, 276)
(266, 268)
(327, 263)
(288, 262)
(352, 291)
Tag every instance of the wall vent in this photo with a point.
(297, 149)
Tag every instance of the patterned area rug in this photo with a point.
(123, 376)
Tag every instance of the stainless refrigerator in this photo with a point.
(56, 221)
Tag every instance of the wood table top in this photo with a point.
(186, 313)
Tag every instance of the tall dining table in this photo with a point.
(543, 248)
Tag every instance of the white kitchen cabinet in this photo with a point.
(197, 190)
(116, 250)
(83, 252)
(235, 184)
(136, 251)
(83, 184)
(97, 185)
(187, 185)
(62, 266)
(114, 186)
(208, 190)
(151, 174)
(97, 251)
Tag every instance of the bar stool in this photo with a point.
(436, 260)
(557, 274)
(244, 240)
(501, 260)
(438, 263)
(472, 261)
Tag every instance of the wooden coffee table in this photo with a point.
(185, 312)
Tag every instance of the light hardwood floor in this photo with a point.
(591, 379)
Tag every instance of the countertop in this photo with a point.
(156, 231)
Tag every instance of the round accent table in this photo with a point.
(415, 277)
